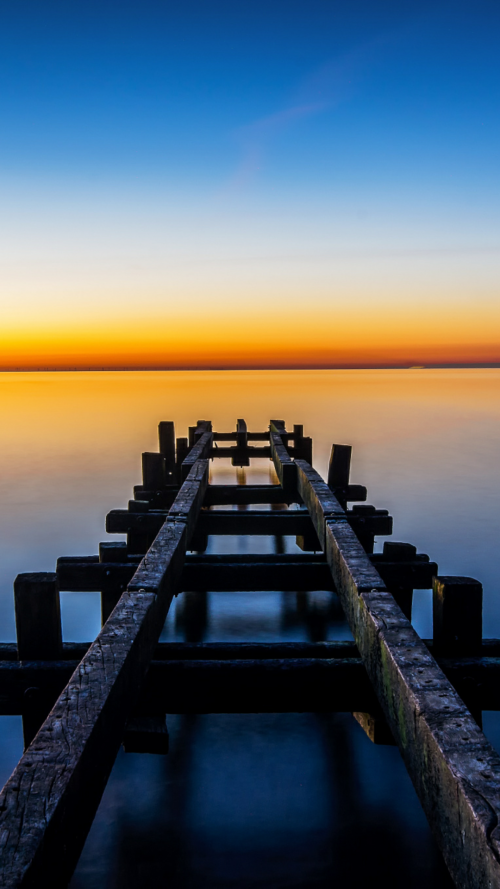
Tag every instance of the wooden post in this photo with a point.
(114, 551)
(153, 471)
(166, 438)
(111, 552)
(365, 535)
(340, 466)
(182, 451)
(241, 434)
(38, 616)
(457, 610)
(306, 451)
(400, 552)
(139, 538)
(338, 472)
(39, 637)
(239, 454)
(298, 434)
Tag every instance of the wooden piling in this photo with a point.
(153, 471)
(339, 467)
(241, 434)
(457, 611)
(38, 616)
(166, 441)
(182, 450)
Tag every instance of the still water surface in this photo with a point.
(253, 800)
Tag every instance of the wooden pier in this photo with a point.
(79, 702)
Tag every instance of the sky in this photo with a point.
(265, 184)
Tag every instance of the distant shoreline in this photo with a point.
(125, 369)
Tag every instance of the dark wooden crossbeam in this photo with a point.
(219, 679)
(74, 651)
(256, 522)
(226, 495)
(233, 572)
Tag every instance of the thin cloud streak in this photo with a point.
(322, 90)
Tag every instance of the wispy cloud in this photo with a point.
(322, 90)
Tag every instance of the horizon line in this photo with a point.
(221, 368)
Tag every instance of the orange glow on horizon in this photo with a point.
(356, 336)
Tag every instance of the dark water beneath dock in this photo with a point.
(260, 800)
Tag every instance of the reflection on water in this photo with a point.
(293, 800)
(253, 800)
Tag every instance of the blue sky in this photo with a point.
(247, 133)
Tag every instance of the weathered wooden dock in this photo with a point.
(80, 702)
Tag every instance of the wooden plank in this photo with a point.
(225, 495)
(283, 463)
(489, 656)
(249, 453)
(219, 651)
(47, 806)
(217, 686)
(320, 502)
(234, 576)
(255, 522)
(200, 451)
(454, 769)
(177, 681)
(205, 572)
(232, 436)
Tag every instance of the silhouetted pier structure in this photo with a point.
(79, 702)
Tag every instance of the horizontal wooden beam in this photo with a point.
(233, 572)
(490, 651)
(291, 522)
(256, 522)
(254, 681)
(454, 769)
(226, 495)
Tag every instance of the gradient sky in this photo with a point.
(261, 184)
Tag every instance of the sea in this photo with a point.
(254, 800)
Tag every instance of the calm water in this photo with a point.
(253, 800)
